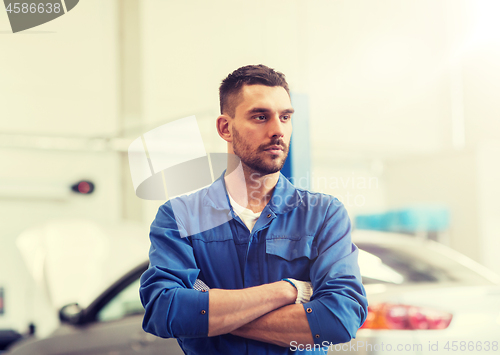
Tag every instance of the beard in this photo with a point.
(253, 158)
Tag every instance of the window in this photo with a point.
(124, 304)
(399, 264)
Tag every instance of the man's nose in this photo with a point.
(276, 128)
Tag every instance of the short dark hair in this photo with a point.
(247, 75)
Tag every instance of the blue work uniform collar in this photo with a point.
(285, 196)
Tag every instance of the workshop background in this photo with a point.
(400, 109)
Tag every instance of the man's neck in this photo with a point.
(249, 188)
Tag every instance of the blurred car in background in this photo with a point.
(420, 292)
(7, 337)
(58, 261)
(424, 298)
(112, 324)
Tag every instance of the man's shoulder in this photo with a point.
(197, 199)
(197, 212)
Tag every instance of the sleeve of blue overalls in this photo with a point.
(173, 308)
(338, 306)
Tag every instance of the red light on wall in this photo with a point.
(83, 187)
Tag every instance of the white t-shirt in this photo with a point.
(247, 216)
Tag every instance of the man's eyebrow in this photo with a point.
(257, 110)
(264, 110)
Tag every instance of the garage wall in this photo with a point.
(39, 70)
(58, 89)
(449, 180)
(488, 206)
(380, 77)
(60, 81)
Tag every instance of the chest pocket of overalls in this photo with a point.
(290, 256)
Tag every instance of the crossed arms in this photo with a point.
(266, 313)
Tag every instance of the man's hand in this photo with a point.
(304, 290)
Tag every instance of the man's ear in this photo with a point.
(223, 123)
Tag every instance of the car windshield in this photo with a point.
(124, 304)
(400, 264)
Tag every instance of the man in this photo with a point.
(274, 232)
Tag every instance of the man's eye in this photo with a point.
(285, 118)
(260, 118)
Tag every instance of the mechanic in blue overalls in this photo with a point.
(252, 264)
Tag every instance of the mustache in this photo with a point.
(276, 142)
